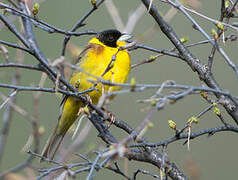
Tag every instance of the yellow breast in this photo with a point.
(95, 61)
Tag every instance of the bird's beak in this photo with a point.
(124, 37)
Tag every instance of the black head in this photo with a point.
(109, 37)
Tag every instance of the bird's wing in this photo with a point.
(82, 53)
(80, 56)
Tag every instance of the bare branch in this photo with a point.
(209, 131)
(192, 61)
(79, 24)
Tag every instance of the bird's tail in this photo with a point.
(52, 145)
(70, 112)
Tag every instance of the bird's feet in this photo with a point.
(111, 117)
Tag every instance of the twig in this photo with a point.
(15, 46)
(165, 52)
(174, 86)
(50, 90)
(162, 168)
(44, 158)
(144, 172)
(209, 131)
(90, 175)
(79, 24)
(117, 170)
(8, 99)
(19, 65)
(210, 19)
(43, 25)
(220, 50)
(210, 59)
(191, 60)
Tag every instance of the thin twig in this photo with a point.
(209, 131)
(8, 99)
(79, 24)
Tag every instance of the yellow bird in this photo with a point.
(96, 60)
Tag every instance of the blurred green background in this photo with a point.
(215, 157)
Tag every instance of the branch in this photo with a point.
(19, 65)
(164, 52)
(220, 50)
(231, 107)
(144, 172)
(41, 24)
(13, 29)
(79, 24)
(146, 155)
(209, 131)
(155, 158)
(15, 46)
(50, 90)
(142, 87)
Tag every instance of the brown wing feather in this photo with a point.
(89, 46)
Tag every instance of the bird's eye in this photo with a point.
(110, 38)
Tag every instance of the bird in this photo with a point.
(103, 57)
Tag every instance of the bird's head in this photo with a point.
(111, 36)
